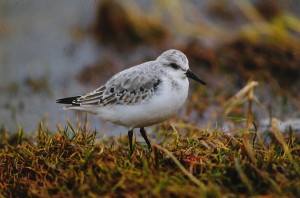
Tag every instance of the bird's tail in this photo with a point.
(71, 104)
(69, 100)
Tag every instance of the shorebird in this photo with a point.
(140, 96)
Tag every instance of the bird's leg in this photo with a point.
(130, 134)
(143, 133)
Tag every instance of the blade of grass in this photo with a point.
(181, 167)
(238, 97)
(278, 135)
(246, 143)
(242, 175)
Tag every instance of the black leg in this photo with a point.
(130, 134)
(143, 133)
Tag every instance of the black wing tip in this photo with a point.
(69, 100)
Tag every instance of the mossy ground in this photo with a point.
(187, 162)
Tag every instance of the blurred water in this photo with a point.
(36, 43)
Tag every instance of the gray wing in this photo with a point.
(123, 88)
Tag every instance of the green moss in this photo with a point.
(75, 164)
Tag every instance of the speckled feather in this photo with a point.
(130, 86)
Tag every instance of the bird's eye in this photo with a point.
(174, 66)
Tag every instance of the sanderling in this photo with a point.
(140, 96)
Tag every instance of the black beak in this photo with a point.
(191, 75)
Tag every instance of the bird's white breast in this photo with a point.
(166, 102)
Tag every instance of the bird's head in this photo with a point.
(176, 63)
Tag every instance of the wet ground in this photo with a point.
(50, 50)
